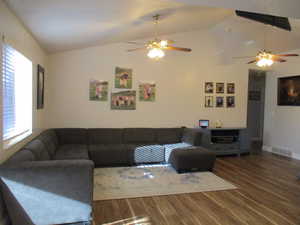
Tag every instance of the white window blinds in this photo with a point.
(17, 93)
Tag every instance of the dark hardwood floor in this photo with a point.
(268, 194)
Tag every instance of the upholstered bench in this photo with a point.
(192, 159)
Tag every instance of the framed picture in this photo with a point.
(209, 87)
(40, 87)
(230, 88)
(230, 101)
(123, 78)
(209, 101)
(219, 102)
(289, 91)
(220, 88)
(123, 100)
(98, 90)
(147, 91)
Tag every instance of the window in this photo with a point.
(17, 93)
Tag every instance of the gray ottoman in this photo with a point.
(192, 159)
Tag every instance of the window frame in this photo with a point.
(18, 137)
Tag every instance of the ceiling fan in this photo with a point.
(265, 58)
(157, 45)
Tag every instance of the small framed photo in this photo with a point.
(209, 87)
(220, 88)
(209, 101)
(230, 101)
(230, 88)
(219, 102)
(40, 87)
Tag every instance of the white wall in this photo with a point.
(21, 39)
(179, 77)
(282, 123)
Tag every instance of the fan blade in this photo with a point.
(136, 49)
(135, 43)
(277, 59)
(253, 61)
(243, 57)
(286, 55)
(178, 48)
(170, 41)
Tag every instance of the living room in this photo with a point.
(74, 101)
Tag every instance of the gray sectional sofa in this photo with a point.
(50, 180)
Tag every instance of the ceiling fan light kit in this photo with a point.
(264, 59)
(156, 53)
(157, 46)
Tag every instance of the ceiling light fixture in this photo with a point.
(156, 47)
(156, 53)
(264, 59)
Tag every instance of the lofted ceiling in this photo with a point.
(61, 25)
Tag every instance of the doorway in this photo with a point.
(256, 107)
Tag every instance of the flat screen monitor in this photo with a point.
(203, 123)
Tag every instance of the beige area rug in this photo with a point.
(133, 182)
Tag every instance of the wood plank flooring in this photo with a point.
(268, 194)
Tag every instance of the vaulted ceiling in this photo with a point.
(61, 25)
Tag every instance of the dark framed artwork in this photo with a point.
(289, 91)
(209, 101)
(40, 87)
(230, 88)
(220, 88)
(209, 87)
(230, 101)
(219, 101)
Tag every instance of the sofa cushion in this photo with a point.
(192, 136)
(4, 218)
(49, 138)
(69, 152)
(168, 135)
(21, 156)
(67, 136)
(105, 136)
(170, 147)
(110, 155)
(38, 148)
(139, 135)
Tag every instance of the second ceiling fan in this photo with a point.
(157, 45)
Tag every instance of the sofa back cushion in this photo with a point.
(38, 149)
(66, 136)
(20, 156)
(105, 136)
(139, 135)
(49, 138)
(168, 135)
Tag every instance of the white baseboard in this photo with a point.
(270, 149)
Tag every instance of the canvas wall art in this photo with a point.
(219, 102)
(123, 100)
(220, 88)
(209, 101)
(98, 90)
(209, 87)
(123, 78)
(147, 91)
(289, 91)
(40, 87)
(230, 88)
(230, 101)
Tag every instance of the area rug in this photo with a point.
(133, 182)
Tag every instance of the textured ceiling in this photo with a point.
(61, 25)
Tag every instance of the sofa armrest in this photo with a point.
(48, 192)
(192, 136)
